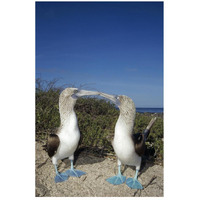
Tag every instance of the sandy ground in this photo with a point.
(94, 183)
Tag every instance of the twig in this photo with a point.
(84, 178)
(137, 192)
(150, 182)
(40, 165)
(98, 177)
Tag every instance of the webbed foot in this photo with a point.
(116, 180)
(60, 177)
(134, 183)
(74, 172)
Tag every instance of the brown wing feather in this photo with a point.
(139, 142)
(52, 144)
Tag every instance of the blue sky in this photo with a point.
(113, 47)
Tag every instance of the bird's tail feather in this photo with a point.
(148, 128)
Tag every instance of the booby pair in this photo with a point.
(128, 147)
(64, 143)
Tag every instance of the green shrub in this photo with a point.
(47, 111)
(96, 119)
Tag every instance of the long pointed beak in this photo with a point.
(81, 93)
(113, 98)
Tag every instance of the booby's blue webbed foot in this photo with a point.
(133, 183)
(60, 177)
(74, 172)
(116, 180)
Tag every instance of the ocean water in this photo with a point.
(151, 110)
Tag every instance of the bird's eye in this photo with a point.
(75, 91)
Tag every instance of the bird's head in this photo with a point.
(119, 100)
(72, 94)
(125, 105)
(68, 98)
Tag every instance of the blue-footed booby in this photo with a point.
(128, 147)
(64, 143)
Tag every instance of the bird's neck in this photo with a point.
(128, 116)
(124, 125)
(66, 109)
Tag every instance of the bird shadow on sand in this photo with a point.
(83, 156)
